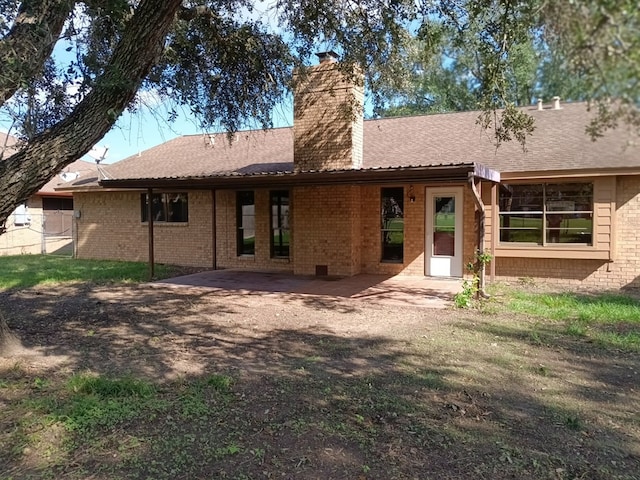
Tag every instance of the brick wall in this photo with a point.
(227, 237)
(334, 226)
(413, 263)
(470, 230)
(326, 226)
(626, 267)
(328, 121)
(110, 227)
(414, 231)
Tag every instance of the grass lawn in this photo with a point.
(126, 381)
(609, 320)
(22, 271)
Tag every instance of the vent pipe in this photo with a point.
(539, 104)
(556, 103)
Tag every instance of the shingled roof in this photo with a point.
(7, 144)
(559, 143)
(81, 170)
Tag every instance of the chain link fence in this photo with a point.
(51, 232)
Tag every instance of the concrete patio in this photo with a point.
(377, 289)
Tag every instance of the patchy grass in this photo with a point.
(23, 271)
(609, 320)
(177, 384)
(105, 417)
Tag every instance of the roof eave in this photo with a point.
(440, 173)
(571, 173)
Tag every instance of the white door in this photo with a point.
(443, 246)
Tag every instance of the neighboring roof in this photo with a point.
(7, 143)
(74, 172)
(559, 143)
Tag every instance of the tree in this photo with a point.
(449, 74)
(229, 68)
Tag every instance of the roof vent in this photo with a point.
(540, 104)
(556, 103)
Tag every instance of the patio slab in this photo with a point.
(377, 289)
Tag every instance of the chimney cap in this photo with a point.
(327, 57)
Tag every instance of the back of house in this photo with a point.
(336, 195)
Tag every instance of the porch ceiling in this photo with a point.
(436, 173)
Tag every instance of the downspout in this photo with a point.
(480, 239)
(150, 223)
(494, 221)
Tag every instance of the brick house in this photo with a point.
(336, 195)
(43, 223)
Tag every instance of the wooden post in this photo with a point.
(150, 223)
(495, 223)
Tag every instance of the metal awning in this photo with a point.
(435, 173)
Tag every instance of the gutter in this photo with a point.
(438, 173)
(481, 232)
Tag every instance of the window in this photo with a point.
(246, 223)
(544, 214)
(280, 223)
(166, 207)
(21, 216)
(392, 224)
(57, 203)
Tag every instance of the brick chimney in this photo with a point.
(327, 117)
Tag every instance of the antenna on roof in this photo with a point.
(68, 176)
(98, 153)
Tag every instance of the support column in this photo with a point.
(150, 233)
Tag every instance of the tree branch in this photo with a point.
(189, 13)
(25, 172)
(30, 42)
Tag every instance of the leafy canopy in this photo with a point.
(230, 66)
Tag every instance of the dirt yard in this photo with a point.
(321, 388)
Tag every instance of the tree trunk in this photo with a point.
(24, 173)
(9, 343)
